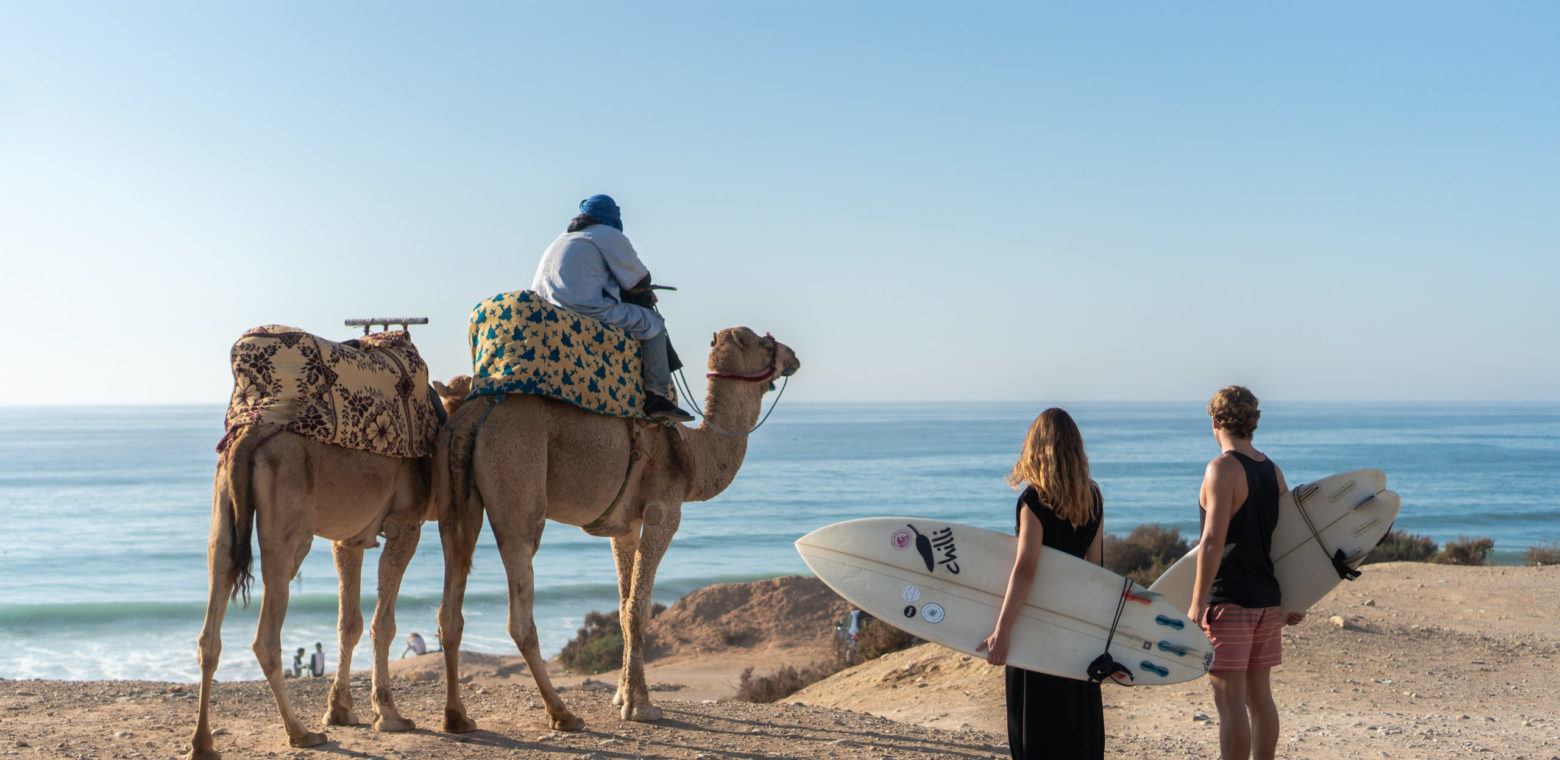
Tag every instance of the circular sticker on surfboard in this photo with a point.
(909, 610)
(910, 594)
(932, 613)
(899, 539)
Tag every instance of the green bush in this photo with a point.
(1465, 551)
(598, 647)
(1145, 553)
(1543, 554)
(1402, 546)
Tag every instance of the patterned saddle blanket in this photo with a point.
(520, 343)
(371, 393)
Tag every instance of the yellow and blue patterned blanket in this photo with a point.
(370, 393)
(520, 343)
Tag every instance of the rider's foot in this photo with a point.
(659, 408)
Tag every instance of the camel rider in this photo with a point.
(585, 270)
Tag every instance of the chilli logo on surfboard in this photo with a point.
(940, 542)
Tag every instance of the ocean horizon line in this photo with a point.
(917, 402)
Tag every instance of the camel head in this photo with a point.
(454, 394)
(738, 351)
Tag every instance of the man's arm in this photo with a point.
(1218, 500)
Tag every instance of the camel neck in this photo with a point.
(732, 406)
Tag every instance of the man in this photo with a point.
(589, 269)
(1236, 597)
(317, 661)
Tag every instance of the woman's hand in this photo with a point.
(996, 648)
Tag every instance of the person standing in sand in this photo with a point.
(1060, 507)
(317, 661)
(1236, 597)
(589, 269)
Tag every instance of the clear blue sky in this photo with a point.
(928, 201)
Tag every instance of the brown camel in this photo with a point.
(533, 458)
(296, 488)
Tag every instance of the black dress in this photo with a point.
(1050, 716)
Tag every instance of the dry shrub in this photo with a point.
(1145, 553)
(1543, 554)
(1402, 546)
(879, 638)
(598, 647)
(1465, 551)
(785, 682)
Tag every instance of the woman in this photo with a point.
(1060, 507)
(1236, 597)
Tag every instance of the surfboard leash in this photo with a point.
(1106, 666)
(1339, 561)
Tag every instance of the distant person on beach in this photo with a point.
(592, 269)
(317, 660)
(1236, 597)
(1060, 507)
(297, 665)
(415, 645)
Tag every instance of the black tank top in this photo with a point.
(1058, 533)
(1246, 573)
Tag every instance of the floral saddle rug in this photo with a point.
(371, 393)
(520, 343)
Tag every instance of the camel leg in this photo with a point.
(623, 550)
(392, 567)
(285, 532)
(349, 630)
(653, 542)
(220, 588)
(517, 548)
(458, 533)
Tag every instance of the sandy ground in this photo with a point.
(1410, 661)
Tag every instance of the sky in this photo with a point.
(926, 201)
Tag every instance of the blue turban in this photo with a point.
(604, 209)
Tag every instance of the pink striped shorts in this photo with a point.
(1244, 638)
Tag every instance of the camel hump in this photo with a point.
(370, 393)
(520, 343)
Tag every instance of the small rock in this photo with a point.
(21, 743)
(1200, 717)
(123, 734)
(843, 743)
(177, 688)
(1338, 621)
(219, 732)
(26, 694)
(1370, 602)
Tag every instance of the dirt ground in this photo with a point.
(1410, 661)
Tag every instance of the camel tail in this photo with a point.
(456, 520)
(241, 520)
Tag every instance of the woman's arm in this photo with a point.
(1030, 541)
(1218, 500)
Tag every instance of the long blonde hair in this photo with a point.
(1053, 463)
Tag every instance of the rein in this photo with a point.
(766, 376)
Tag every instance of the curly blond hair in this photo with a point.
(1054, 463)
(1234, 409)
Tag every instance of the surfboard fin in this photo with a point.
(1340, 565)
(1142, 595)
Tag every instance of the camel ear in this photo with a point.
(714, 336)
(744, 337)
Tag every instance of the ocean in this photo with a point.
(102, 555)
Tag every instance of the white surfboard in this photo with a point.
(944, 582)
(1349, 512)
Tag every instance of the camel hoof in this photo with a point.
(643, 714)
(309, 739)
(569, 722)
(340, 718)
(394, 724)
(203, 754)
(617, 699)
(458, 723)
